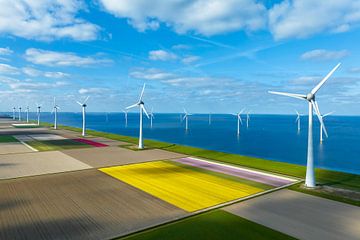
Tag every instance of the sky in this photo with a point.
(203, 55)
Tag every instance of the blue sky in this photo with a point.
(206, 56)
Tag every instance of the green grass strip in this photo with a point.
(7, 139)
(55, 145)
(216, 224)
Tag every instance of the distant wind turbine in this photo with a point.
(14, 114)
(321, 130)
(142, 109)
(186, 117)
(310, 98)
(247, 119)
(19, 113)
(38, 106)
(298, 120)
(151, 117)
(55, 112)
(239, 120)
(126, 117)
(27, 114)
(83, 105)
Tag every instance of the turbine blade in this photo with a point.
(293, 95)
(240, 119)
(79, 103)
(317, 87)
(297, 113)
(185, 111)
(317, 111)
(142, 92)
(327, 114)
(143, 108)
(185, 116)
(87, 98)
(132, 106)
(241, 111)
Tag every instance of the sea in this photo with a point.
(271, 137)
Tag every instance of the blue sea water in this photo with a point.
(272, 137)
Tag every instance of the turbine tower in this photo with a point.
(55, 111)
(239, 120)
(83, 106)
(321, 130)
(27, 114)
(19, 113)
(298, 120)
(126, 118)
(151, 117)
(38, 106)
(14, 114)
(186, 116)
(142, 109)
(247, 119)
(310, 98)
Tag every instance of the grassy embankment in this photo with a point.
(324, 177)
(211, 225)
(7, 139)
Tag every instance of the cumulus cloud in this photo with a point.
(45, 20)
(304, 18)
(199, 16)
(64, 59)
(8, 70)
(162, 55)
(33, 72)
(150, 74)
(190, 59)
(93, 90)
(5, 51)
(322, 54)
(29, 85)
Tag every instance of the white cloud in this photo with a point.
(322, 54)
(181, 47)
(354, 70)
(190, 59)
(36, 73)
(45, 20)
(29, 85)
(51, 58)
(199, 16)
(304, 18)
(150, 74)
(162, 55)
(93, 90)
(8, 70)
(5, 51)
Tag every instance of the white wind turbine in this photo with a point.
(19, 113)
(83, 106)
(298, 120)
(310, 97)
(38, 106)
(186, 117)
(142, 109)
(151, 117)
(247, 119)
(321, 130)
(126, 117)
(239, 120)
(14, 114)
(55, 112)
(27, 114)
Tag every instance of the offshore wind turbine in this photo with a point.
(151, 117)
(126, 117)
(239, 120)
(27, 114)
(14, 110)
(209, 118)
(38, 106)
(310, 98)
(19, 113)
(247, 119)
(321, 130)
(186, 117)
(55, 111)
(140, 103)
(298, 120)
(83, 106)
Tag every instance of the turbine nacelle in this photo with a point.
(310, 97)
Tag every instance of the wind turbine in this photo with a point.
(83, 105)
(186, 116)
(247, 119)
(14, 109)
(19, 113)
(55, 111)
(38, 106)
(239, 120)
(142, 109)
(321, 130)
(310, 97)
(27, 114)
(298, 120)
(126, 118)
(151, 117)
